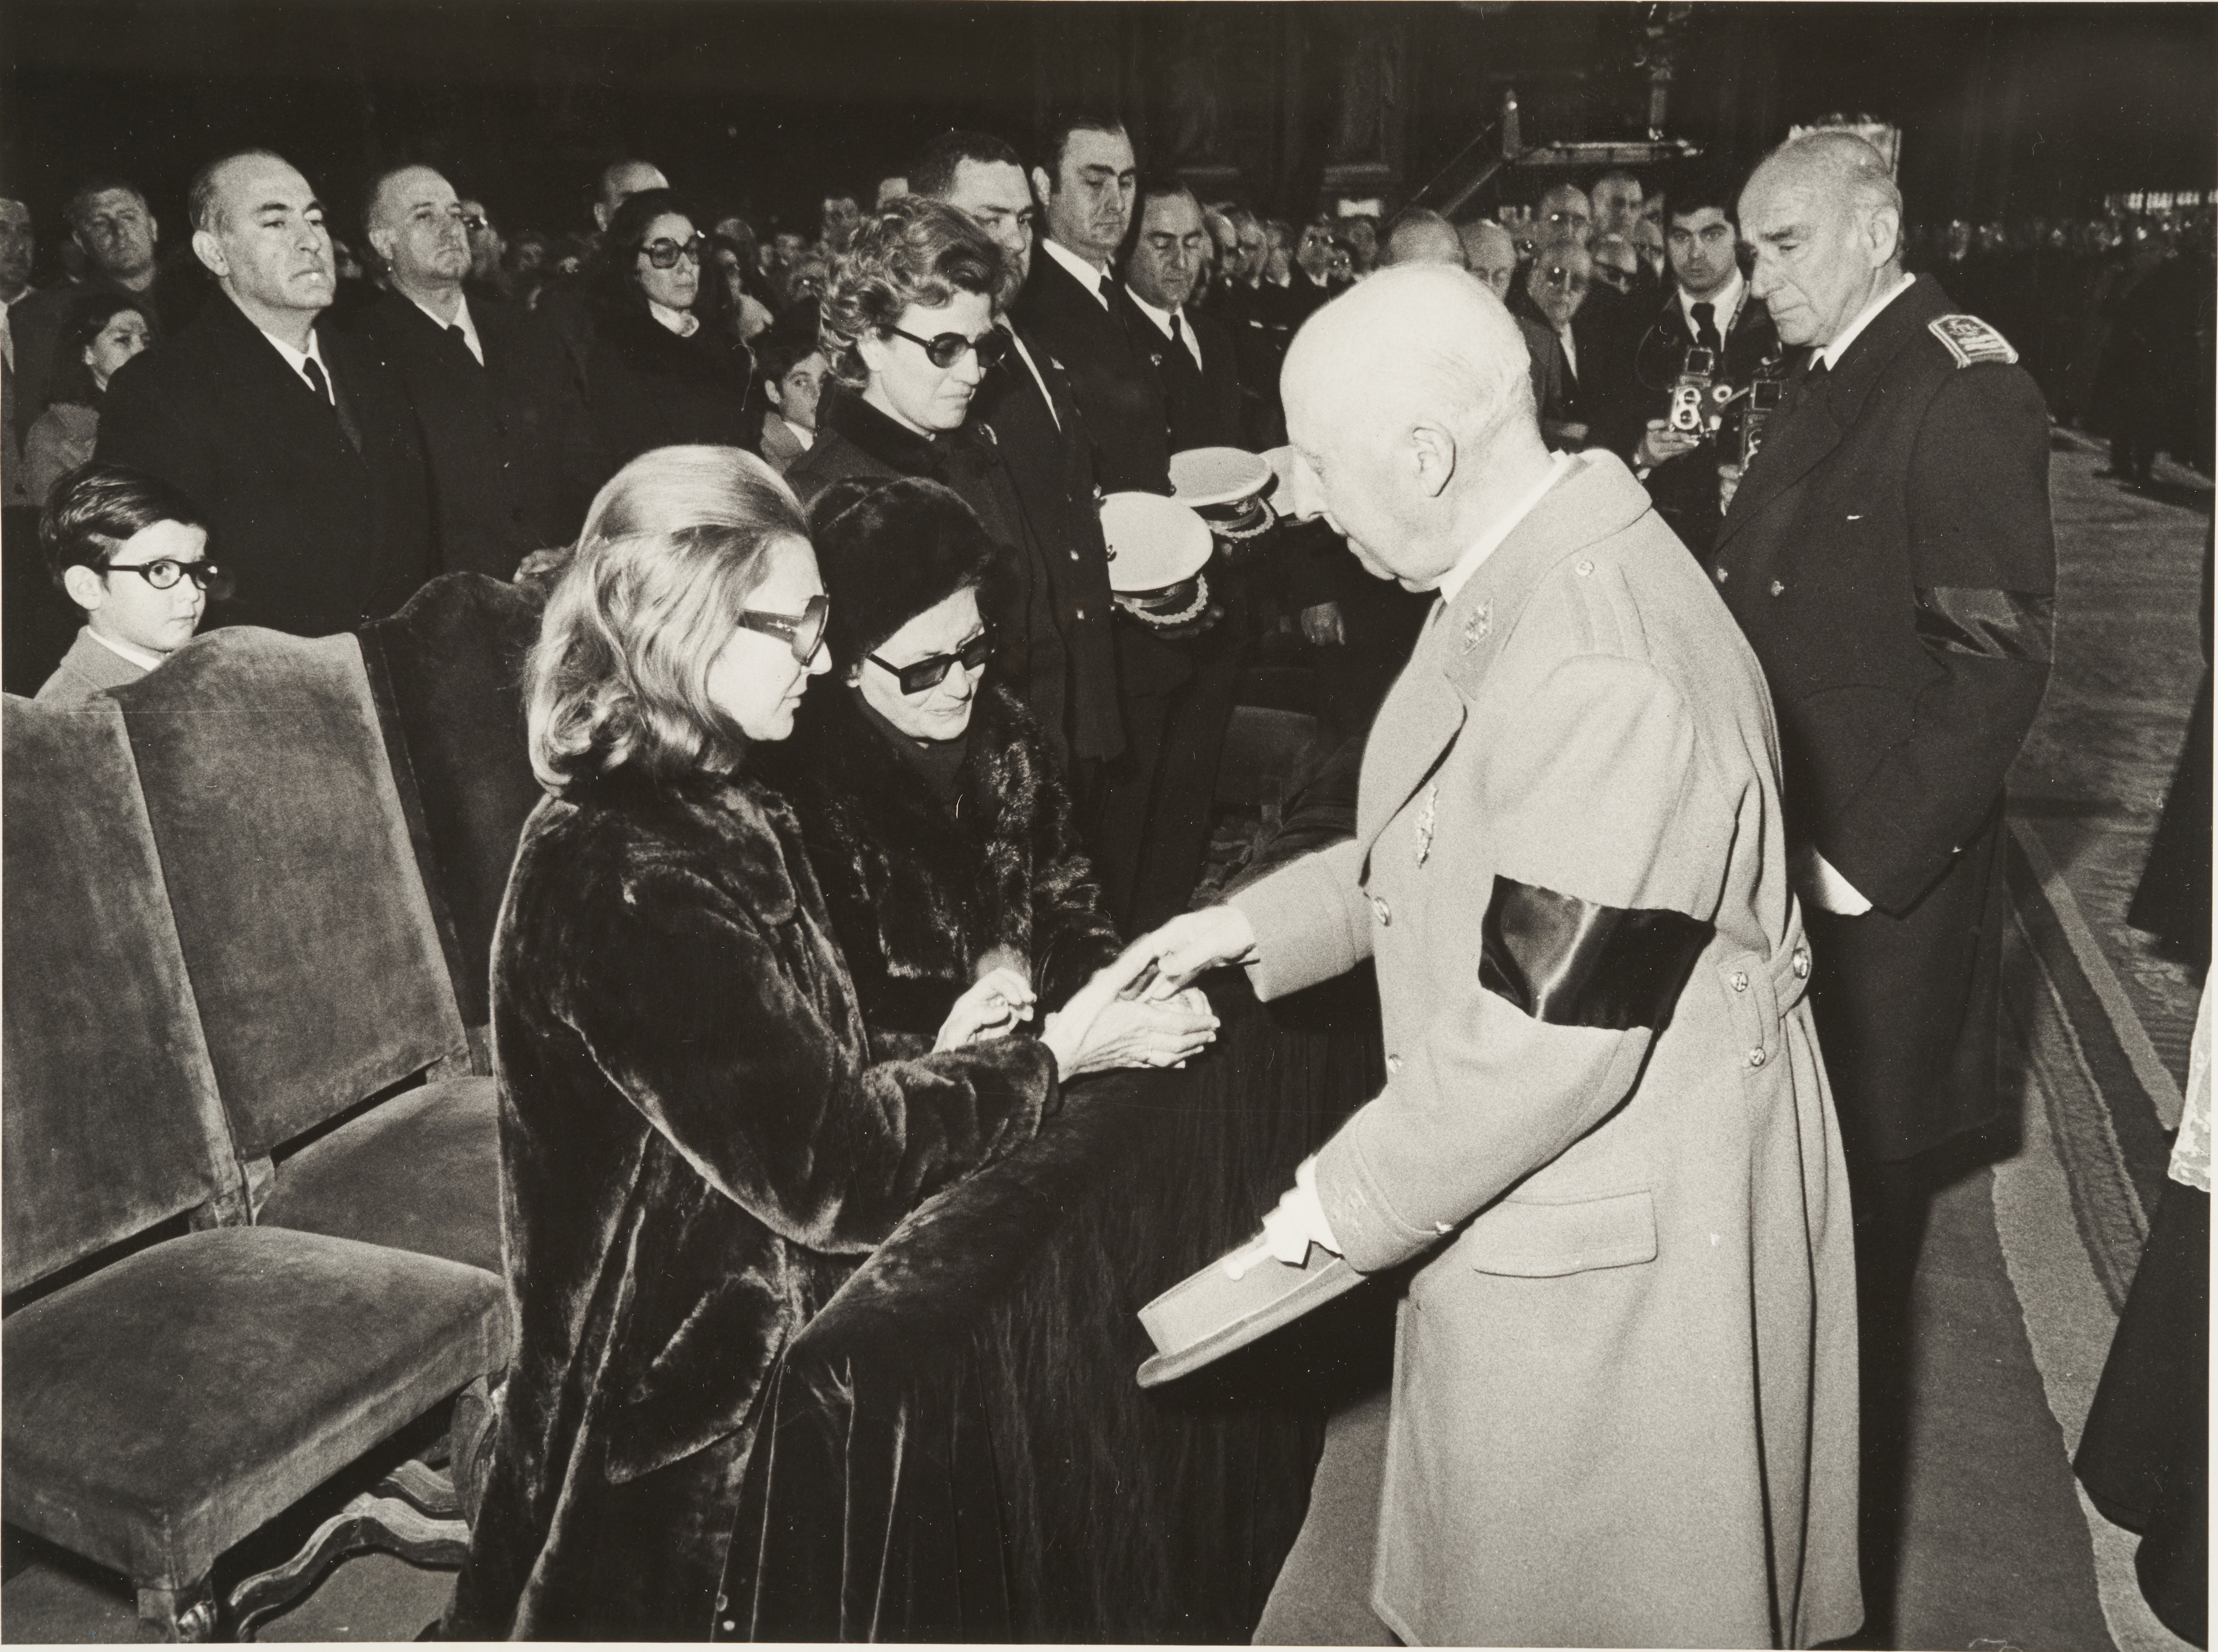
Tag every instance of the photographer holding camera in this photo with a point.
(1703, 361)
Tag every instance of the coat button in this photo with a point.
(1776, 587)
(1721, 576)
(1081, 613)
(1756, 1058)
(1379, 909)
(1800, 962)
(1393, 1063)
(1585, 567)
(1738, 981)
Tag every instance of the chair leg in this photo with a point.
(469, 1446)
(390, 1524)
(180, 1614)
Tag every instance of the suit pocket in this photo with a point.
(1528, 1238)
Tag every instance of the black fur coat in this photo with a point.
(918, 895)
(696, 1150)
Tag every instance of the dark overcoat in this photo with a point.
(920, 895)
(325, 519)
(1889, 556)
(696, 1150)
(1048, 449)
(646, 387)
(1119, 395)
(513, 461)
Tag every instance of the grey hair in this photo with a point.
(202, 206)
(1849, 163)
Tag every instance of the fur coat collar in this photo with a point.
(920, 895)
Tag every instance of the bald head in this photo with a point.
(1489, 252)
(1825, 220)
(620, 181)
(1423, 238)
(1411, 399)
(1563, 212)
(415, 224)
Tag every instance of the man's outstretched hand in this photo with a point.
(1193, 943)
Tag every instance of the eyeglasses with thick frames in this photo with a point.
(666, 253)
(163, 573)
(924, 675)
(944, 349)
(803, 632)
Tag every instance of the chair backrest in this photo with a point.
(108, 1103)
(448, 673)
(301, 914)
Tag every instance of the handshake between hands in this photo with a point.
(1137, 1011)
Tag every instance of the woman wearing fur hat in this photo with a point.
(936, 825)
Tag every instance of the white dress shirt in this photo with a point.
(684, 323)
(460, 318)
(1831, 356)
(1087, 275)
(1163, 320)
(139, 657)
(1571, 348)
(1726, 303)
(298, 360)
(1487, 543)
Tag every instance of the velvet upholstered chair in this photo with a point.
(173, 1377)
(323, 987)
(446, 672)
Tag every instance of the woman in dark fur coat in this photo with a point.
(938, 828)
(696, 1144)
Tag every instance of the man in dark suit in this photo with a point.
(1709, 308)
(1071, 300)
(298, 443)
(1192, 353)
(1027, 402)
(1889, 555)
(505, 428)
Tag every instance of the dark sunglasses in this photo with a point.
(803, 631)
(931, 670)
(665, 254)
(162, 575)
(946, 349)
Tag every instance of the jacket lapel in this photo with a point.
(1420, 721)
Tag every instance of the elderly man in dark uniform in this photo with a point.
(1889, 555)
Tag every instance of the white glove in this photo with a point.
(1293, 1225)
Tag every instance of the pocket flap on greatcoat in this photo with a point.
(1532, 1240)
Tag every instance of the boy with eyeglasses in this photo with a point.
(132, 552)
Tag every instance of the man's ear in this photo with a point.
(383, 241)
(776, 392)
(83, 587)
(1883, 230)
(601, 216)
(1042, 187)
(1432, 458)
(209, 251)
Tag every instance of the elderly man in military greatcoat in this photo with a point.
(1889, 556)
(1623, 1410)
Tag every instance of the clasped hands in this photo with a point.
(1115, 1020)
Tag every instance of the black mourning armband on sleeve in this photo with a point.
(1572, 963)
(1991, 624)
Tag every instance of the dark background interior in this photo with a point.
(2016, 109)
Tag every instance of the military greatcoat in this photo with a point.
(1889, 556)
(1624, 1405)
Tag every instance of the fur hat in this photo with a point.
(889, 551)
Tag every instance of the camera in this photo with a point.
(1697, 399)
(1763, 395)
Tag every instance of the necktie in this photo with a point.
(1109, 290)
(1178, 336)
(317, 383)
(461, 339)
(1706, 326)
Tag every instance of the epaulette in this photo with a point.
(1971, 340)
